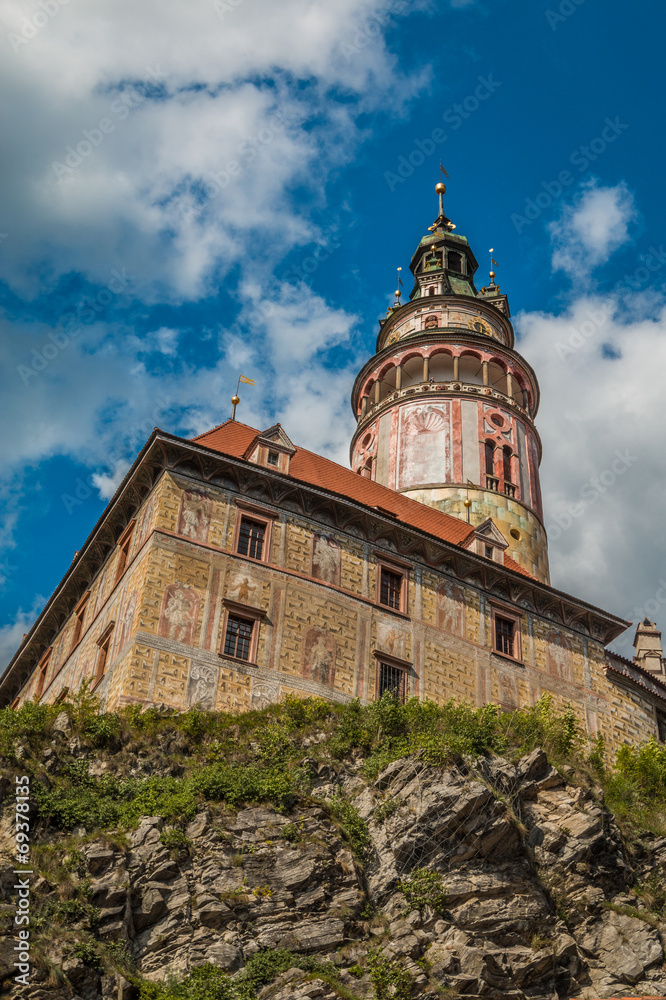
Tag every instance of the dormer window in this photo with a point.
(488, 541)
(272, 449)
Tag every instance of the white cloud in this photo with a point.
(601, 421)
(11, 634)
(592, 228)
(159, 137)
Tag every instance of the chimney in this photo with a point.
(647, 643)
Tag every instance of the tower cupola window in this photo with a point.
(455, 261)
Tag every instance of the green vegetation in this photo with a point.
(198, 757)
(209, 982)
(389, 980)
(422, 888)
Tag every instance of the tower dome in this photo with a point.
(445, 409)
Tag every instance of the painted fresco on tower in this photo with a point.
(450, 605)
(180, 610)
(318, 663)
(326, 559)
(194, 515)
(425, 444)
(559, 657)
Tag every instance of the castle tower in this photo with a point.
(446, 406)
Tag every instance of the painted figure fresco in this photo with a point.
(194, 516)
(326, 559)
(180, 608)
(559, 658)
(126, 622)
(450, 604)
(319, 657)
(241, 588)
(391, 639)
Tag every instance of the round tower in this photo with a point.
(446, 406)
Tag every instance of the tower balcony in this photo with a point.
(373, 406)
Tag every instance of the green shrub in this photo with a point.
(207, 982)
(353, 827)
(422, 888)
(175, 839)
(389, 980)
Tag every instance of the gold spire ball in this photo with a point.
(440, 188)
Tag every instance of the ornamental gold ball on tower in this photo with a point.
(446, 406)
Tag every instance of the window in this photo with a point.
(392, 679)
(80, 612)
(489, 552)
(43, 670)
(506, 464)
(251, 538)
(506, 633)
(661, 726)
(62, 696)
(273, 458)
(124, 543)
(490, 458)
(455, 262)
(390, 588)
(104, 643)
(15, 703)
(238, 637)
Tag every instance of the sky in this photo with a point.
(202, 188)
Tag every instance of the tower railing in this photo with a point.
(424, 388)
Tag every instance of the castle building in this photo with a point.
(235, 568)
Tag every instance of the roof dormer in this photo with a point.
(488, 541)
(272, 449)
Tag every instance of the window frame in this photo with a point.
(103, 652)
(392, 663)
(124, 544)
(80, 615)
(43, 668)
(501, 611)
(398, 568)
(234, 609)
(660, 721)
(260, 515)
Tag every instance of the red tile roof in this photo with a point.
(233, 438)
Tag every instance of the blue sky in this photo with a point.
(171, 170)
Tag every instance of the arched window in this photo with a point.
(506, 464)
(490, 458)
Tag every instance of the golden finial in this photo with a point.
(492, 262)
(235, 400)
(398, 293)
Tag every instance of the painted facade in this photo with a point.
(235, 568)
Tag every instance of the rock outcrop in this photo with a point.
(538, 887)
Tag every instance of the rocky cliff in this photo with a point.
(485, 875)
